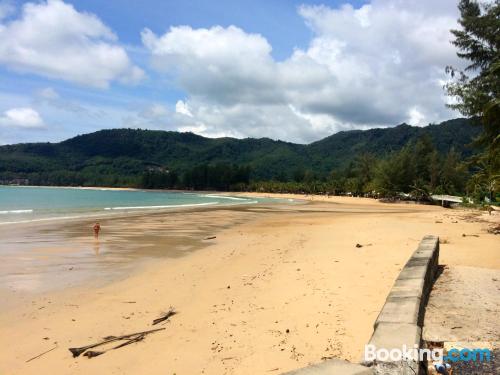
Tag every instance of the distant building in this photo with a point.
(15, 181)
(447, 200)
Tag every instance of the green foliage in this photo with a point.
(478, 42)
(386, 161)
(216, 177)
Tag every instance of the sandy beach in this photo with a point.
(279, 287)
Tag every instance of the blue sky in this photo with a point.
(293, 70)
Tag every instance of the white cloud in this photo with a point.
(183, 108)
(23, 117)
(217, 61)
(156, 112)
(363, 68)
(153, 116)
(415, 117)
(54, 40)
(48, 93)
(49, 97)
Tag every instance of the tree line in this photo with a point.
(416, 171)
(220, 176)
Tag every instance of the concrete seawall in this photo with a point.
(399, 323)
(400, 320)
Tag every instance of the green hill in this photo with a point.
(120, 157)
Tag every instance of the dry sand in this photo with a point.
(277, 289)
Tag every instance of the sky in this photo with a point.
(284, 69)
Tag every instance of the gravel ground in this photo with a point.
(479, 368)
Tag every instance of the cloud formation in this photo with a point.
(377, 65)
(24, 117)
(50, 97)
(54, 40)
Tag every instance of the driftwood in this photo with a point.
(210, 238)
(360, 245)
(95, 353)
(39, 355)
(92, 353)
(165, 316)
(130, 338)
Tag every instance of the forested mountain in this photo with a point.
(129, 157)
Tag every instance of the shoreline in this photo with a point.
(120, 212)
(292, 268)
(60, 238)
(74, 187)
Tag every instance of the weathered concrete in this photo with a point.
(407, 288)
(413, 273)
(394, 335)
(390, 336)
(332, 367)
(399, 323)
(400, 310)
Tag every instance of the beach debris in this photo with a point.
(210, 238)
(171, 311)
(92, 353)
(438, 222)
(129, 339)
(470, 235)
(95, 353)
(495, 229)
(360, 245)
(41, 354)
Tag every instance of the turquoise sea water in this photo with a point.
(24, 204)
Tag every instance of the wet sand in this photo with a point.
(279, 287)
(37, 256)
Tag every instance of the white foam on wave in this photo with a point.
(249, 202)
(53, 218)
(15, 212)
(224, 197)
(157, 207)
(100, 215)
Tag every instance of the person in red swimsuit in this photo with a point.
(97, 228)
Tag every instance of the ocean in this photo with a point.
(19, 204)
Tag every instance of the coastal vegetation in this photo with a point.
(476, 88)
(384, 162)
